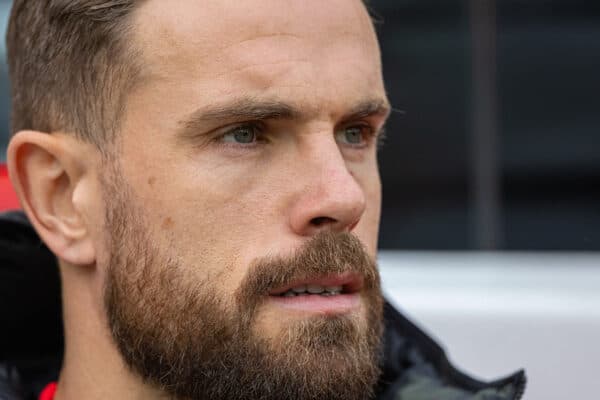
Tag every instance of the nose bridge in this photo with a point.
(329, 197)
(336, 182)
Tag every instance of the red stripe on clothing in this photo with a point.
(8, 197)
(48, 392)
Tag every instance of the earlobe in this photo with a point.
(46, 170)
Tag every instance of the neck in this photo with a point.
(93, 368)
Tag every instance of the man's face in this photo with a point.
(247, 168)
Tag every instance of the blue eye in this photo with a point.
(353, 135)
(243, 134)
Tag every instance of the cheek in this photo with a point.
(214, 221)
(368, 228)
(215, 216)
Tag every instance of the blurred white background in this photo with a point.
(498, 312)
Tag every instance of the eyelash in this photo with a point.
(257, 127)
(368, 134)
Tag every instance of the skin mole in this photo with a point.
(167, 223)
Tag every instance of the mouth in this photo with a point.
(332, 294)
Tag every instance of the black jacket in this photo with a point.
(31, 341)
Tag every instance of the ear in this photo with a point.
(47, 172)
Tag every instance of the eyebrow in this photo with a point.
(368, 108)
(251, 109)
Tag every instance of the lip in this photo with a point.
(350, 282)
(315, 303)
(347, 301)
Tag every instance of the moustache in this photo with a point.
(326, 254)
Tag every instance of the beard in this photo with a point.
(180, 335)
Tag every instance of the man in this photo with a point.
(205, 173)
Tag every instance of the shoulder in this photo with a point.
(415, 367)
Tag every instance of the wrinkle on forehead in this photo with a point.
(320, 54)
(269, 35)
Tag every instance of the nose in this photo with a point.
(329, 198)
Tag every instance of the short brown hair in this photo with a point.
(70, 65)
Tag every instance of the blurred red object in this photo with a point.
(8, 197)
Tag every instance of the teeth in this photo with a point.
(299, 289)
(333, 289)
(315, 289)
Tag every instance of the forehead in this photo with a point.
(311, 49)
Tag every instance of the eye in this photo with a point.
(356, 135)
(241, 134)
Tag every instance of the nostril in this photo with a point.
(319, 221)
